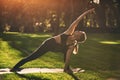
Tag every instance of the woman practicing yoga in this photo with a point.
(67, 43)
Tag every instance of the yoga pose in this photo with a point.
(66, 42)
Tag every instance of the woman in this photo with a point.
(65, 43)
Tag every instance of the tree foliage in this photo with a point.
(56, 15)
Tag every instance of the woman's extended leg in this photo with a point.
(37, 53)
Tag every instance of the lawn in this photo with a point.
(99, 56)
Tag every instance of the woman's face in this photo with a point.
(80, 36)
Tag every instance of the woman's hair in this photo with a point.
(80, 36)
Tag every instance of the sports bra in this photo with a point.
(64, 39)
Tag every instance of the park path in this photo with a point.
(39, 70)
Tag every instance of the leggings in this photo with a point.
(45, 47)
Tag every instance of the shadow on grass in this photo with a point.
(30, 77)
(73, 76)
(94, 55)
(25, 43)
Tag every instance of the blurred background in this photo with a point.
(35, 16)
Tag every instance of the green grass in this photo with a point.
(99, 56)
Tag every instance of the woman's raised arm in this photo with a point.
(72, 27)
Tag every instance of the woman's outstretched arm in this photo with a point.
(72, 27)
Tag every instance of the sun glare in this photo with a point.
(30, 2)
